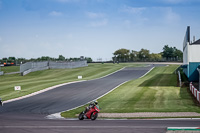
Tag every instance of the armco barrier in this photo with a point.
(195, 92)
(198, 96)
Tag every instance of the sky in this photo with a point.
(94, 28)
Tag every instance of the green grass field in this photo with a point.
(156, 92)
(9, 69)
(39, 80)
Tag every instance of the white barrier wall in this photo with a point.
(37, 66)
(1, 73)
(195, 92)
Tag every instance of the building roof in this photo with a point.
(196, 42)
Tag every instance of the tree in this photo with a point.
(61, 58)
(11, 58)
(144, 54)
(172, 53)
(122, 55)
(45, 58)
(155, 57)
(89, 60)
(178, 54)
(134, 55)
(168, 52)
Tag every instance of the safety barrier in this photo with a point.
(195, 92)
(37, 66)
(1, 73)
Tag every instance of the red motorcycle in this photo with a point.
(92, 113)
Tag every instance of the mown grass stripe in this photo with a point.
(39, 80)
(155, 92)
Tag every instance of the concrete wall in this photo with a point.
(63, 65)
(1, 73)
(194, 53)
(37, 66)
(33, 65)
(191, 60)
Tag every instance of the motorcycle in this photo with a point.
(92, 113)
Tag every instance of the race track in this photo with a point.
(72, 95)
(28, 115)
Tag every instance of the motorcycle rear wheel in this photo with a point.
(81, 116)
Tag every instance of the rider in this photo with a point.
(91, 105)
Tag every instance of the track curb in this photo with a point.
(183, 128)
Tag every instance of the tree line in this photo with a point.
(15, 61)
(168, 54)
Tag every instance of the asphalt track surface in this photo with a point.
(28, 115)
(72, 95)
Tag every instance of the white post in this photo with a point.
(179, 76)
(199, 78)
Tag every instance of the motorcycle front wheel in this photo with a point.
(81, 116)
(94, 116)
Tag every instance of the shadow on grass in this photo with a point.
(160, 80)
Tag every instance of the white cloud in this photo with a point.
(99, 23)
(133, 10)
(94, 15)
(55, 13)
(171, 16)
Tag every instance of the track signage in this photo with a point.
(17, 88)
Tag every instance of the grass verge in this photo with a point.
(156, 92)
(9, 69)
(39, 80)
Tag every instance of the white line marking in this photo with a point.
(147, 72)
(109, 74)
(56, 115)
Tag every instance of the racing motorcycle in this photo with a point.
(92, 113)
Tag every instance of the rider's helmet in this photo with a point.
(95, 102)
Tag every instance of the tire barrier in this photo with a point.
(195, 92)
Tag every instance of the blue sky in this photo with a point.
(93, 28)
